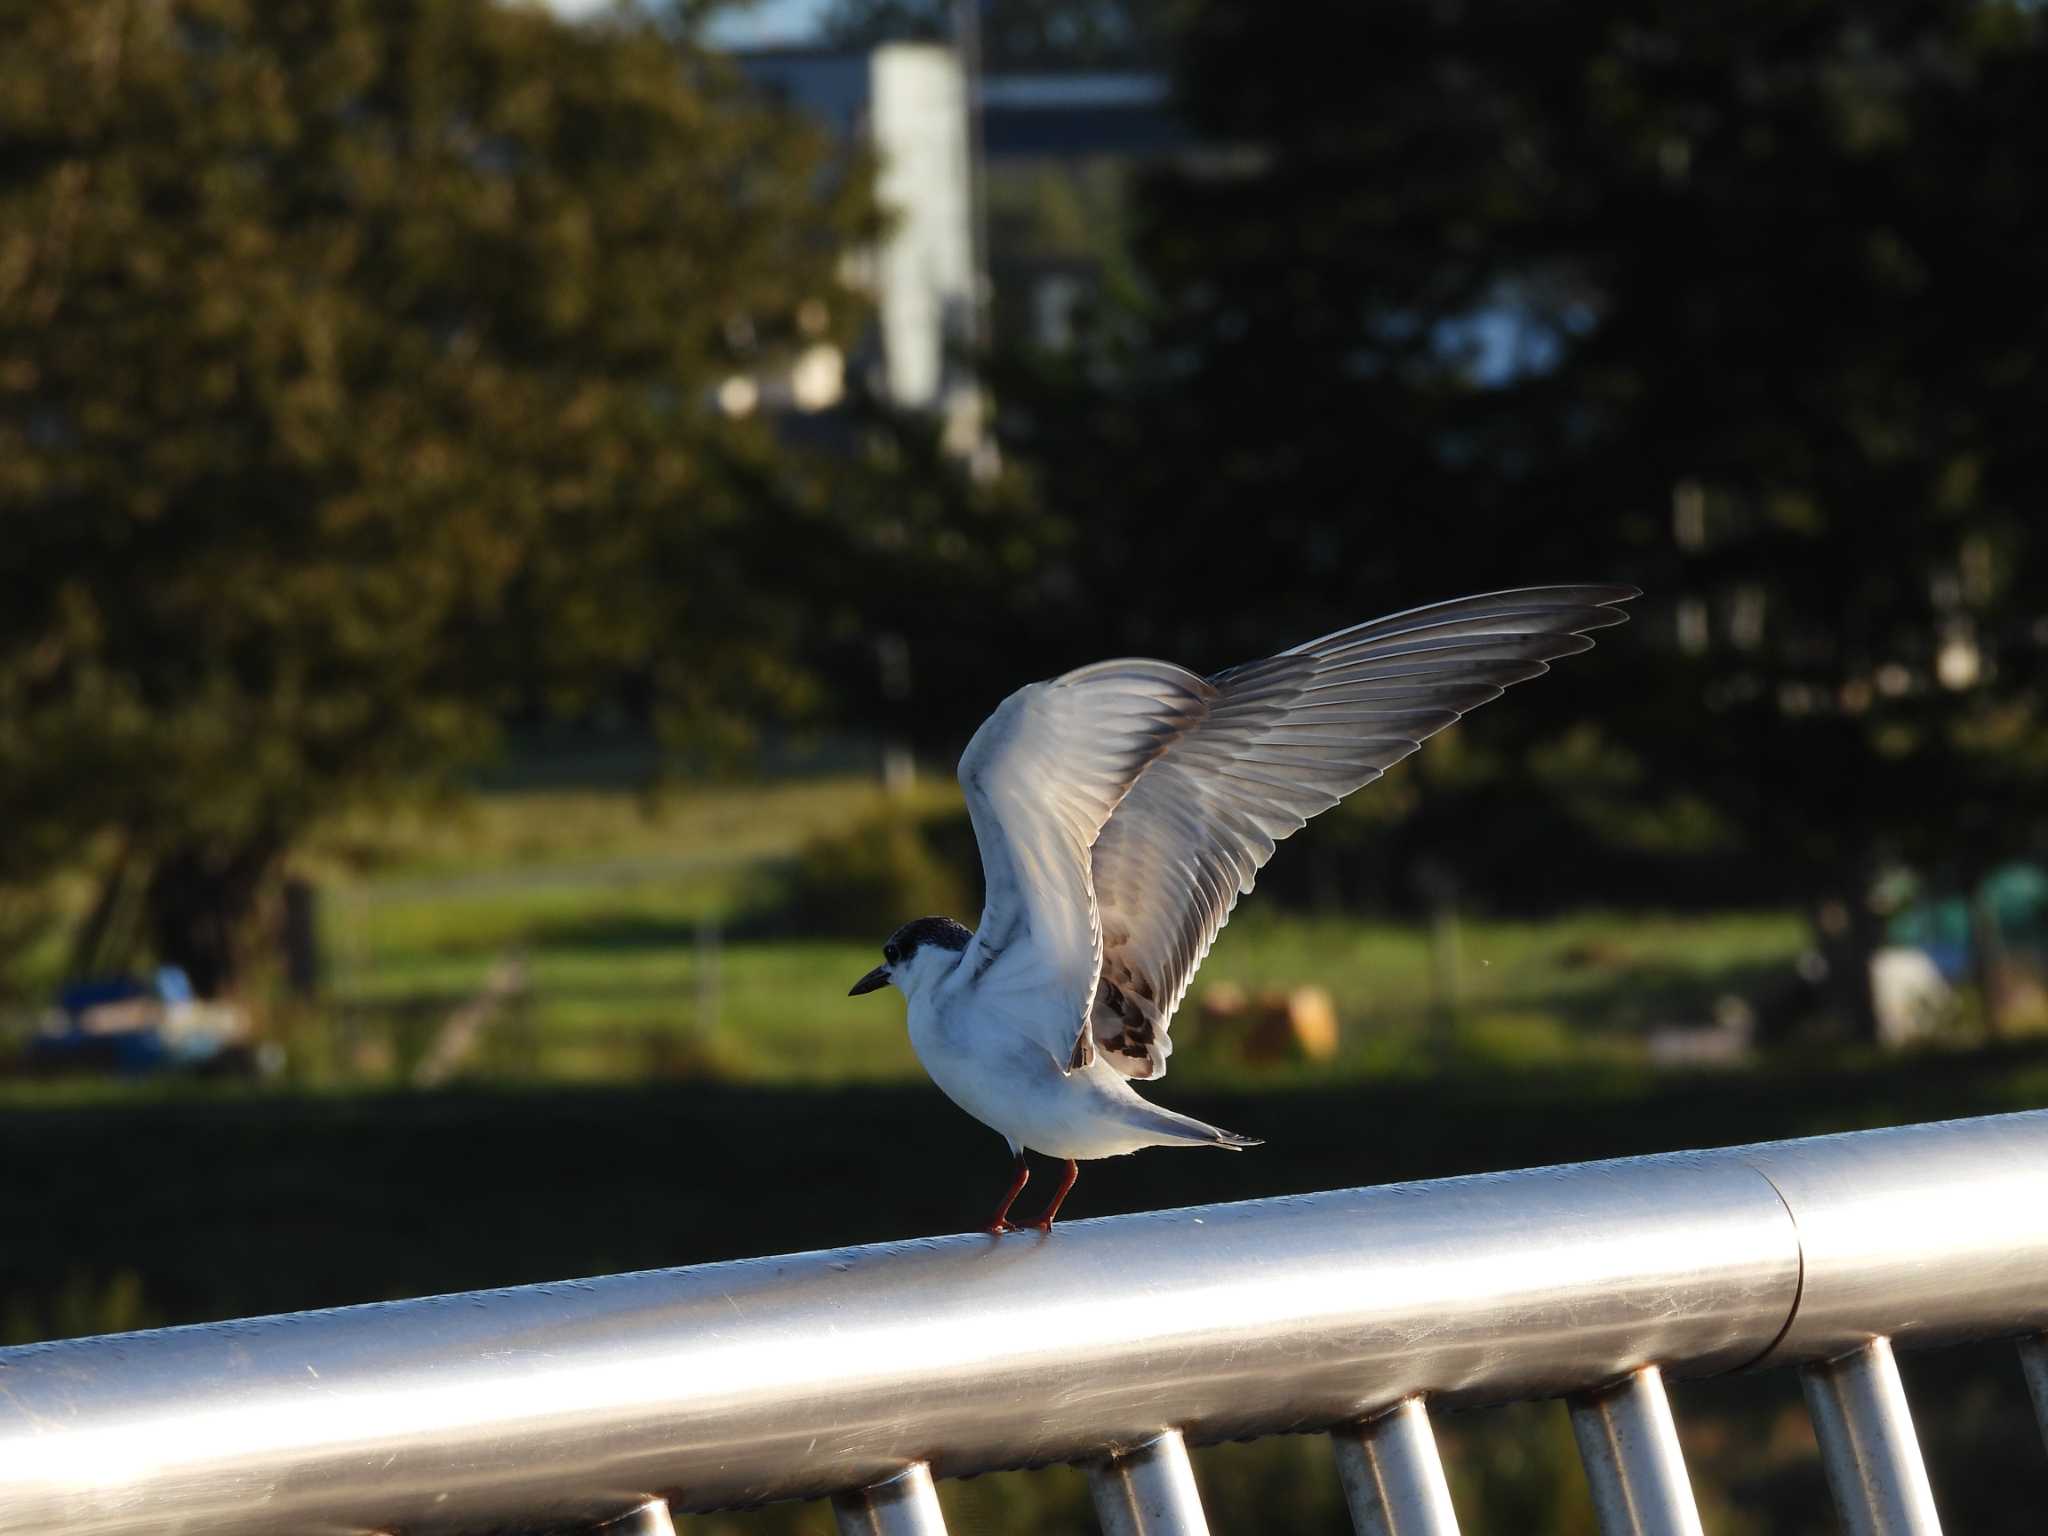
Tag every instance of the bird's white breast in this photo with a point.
(1008, 1082)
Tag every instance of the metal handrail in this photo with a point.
(862, 1373)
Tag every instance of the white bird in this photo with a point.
(1122, 809)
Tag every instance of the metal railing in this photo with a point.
(863, 1373)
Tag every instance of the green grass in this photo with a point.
(618, 972)
(632, 915)
(618, 908)
(634, 966)
(1583, 986)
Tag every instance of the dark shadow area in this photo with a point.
(272, 1203)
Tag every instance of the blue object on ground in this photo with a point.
(133, 1052)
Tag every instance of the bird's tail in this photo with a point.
(1186, 1131)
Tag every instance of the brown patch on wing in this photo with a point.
(1125, 1027)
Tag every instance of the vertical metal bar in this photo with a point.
(1633, 1463)
(2034, 1361)
(650, 1519)
(906, 1505)
(1867, 1444)
(1149, 1491)
(1393, 1479)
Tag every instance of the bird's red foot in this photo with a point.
(1000, 1223)
(1044, 1222)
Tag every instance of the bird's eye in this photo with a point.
(889, 953)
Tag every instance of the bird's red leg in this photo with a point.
(1000, 1223)
(1044, 1222)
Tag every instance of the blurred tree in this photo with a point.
(1742, 304)
(357, 369)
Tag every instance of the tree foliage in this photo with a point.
(356, 376)
(1742, 304)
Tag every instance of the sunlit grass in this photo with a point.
(652, 960)
(630, 916)
(634, 966)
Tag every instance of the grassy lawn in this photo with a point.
(619, 965)
(618, 908)
(637, 922)
(629, 919)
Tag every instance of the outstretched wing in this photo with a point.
(1041, 776)
(1279, 741)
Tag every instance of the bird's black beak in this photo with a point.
(878, 977)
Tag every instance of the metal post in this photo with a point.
(1630, 1448)
(1393, 1479)
(650, 1519)
(1149, 1491)
(1867, 1444)
(906, 1505)
(2034, 1361)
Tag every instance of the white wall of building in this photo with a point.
(925, 271)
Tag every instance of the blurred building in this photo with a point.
(907, 102)
(1033, 194)
(1060, 154)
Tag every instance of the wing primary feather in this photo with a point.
(1276, 742)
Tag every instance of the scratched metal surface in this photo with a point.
(549, 1407)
